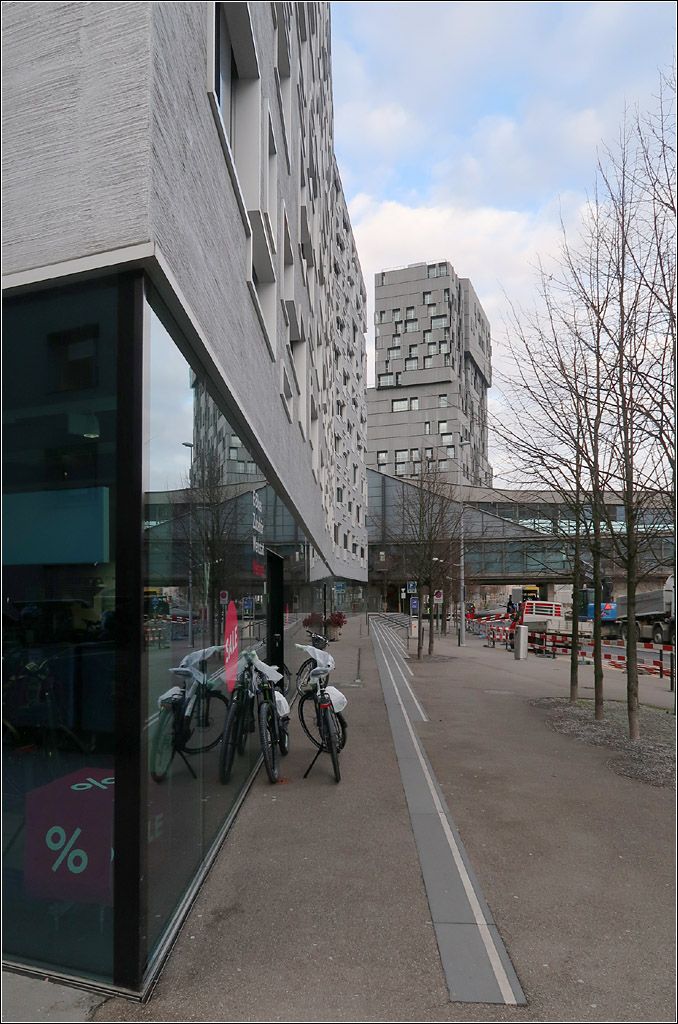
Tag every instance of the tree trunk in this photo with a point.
(574, 650)
(597, 619)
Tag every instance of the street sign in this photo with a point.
(402, 594)
(411, 587)
(437, 597)
(414, 604)
(340, 588)
(223, 596)
(248, 604)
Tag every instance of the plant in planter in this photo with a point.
(334, 622)
(314, 621)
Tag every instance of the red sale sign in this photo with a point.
(231, 644)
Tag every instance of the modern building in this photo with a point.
(433, 356)
(184, 435)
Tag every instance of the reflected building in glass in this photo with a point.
(184, 439)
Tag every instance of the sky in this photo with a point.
(465, 131)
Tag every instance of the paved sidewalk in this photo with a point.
(316, 907)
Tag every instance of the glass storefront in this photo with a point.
(138, 532)
(60, 641)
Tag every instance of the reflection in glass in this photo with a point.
(59, 626)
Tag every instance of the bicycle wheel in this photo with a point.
(342, 729)
(267, 736)
(229, 742)
(246, 725)
(304, 674)
(284, 735)
(285, 682)
(208, 718)
(162, 747)
(309, 718)
(331, 730)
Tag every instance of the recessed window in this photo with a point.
(411, 326)
(427, 427)
(409, 313)
(411, 364)
(400, 470)
(442, 401)
(442, 465)
(382, 458)
(438, 322)
(396, 315)
(401, 455)
(414, 403)
(399, 405)
(428, 362)
(427, 298)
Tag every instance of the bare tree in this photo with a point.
(595, 361)
(427, 523)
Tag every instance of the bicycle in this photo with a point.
(321, 707)
(258, 687)
(192, 715)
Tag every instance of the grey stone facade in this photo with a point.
(433, 370)
(128, 142)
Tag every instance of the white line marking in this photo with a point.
(488, 941)
(418, 705)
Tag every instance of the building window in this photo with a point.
(428, 362)
(432, 348)
(426, 336)
(400, 469)
(382, 316)
(432, 270)
(385, 380)
(446, 295)
(442, 427)
(427, 298)
(413, 349)
(398, 378)
(411, 326)
(340, 495)
(414, 404)
(442, 270)
(450, 451)
(444, 347)
(438, 322)
(429, 454)
(427, 427)
(409, 313)
(442, 465)
(446, 438)
(415, 454)
(401, 455)
(399, 405)
(382, 458)
(394, 353)
(442, 401)
(411, 364)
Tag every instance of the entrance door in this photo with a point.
(275, 648)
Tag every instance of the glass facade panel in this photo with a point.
(60, 643)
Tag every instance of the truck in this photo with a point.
(655, 614)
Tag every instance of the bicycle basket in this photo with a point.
(173, 696)
(339, 702)
(281, 704)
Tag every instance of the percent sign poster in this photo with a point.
(69, 838)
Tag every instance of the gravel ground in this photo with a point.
(650, 759)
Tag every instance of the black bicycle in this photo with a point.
(320, 708)
(191, 715)
(254, 702)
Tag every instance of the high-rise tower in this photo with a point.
(433, 370)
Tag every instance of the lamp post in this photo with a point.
(462, 621)
(189, 444)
